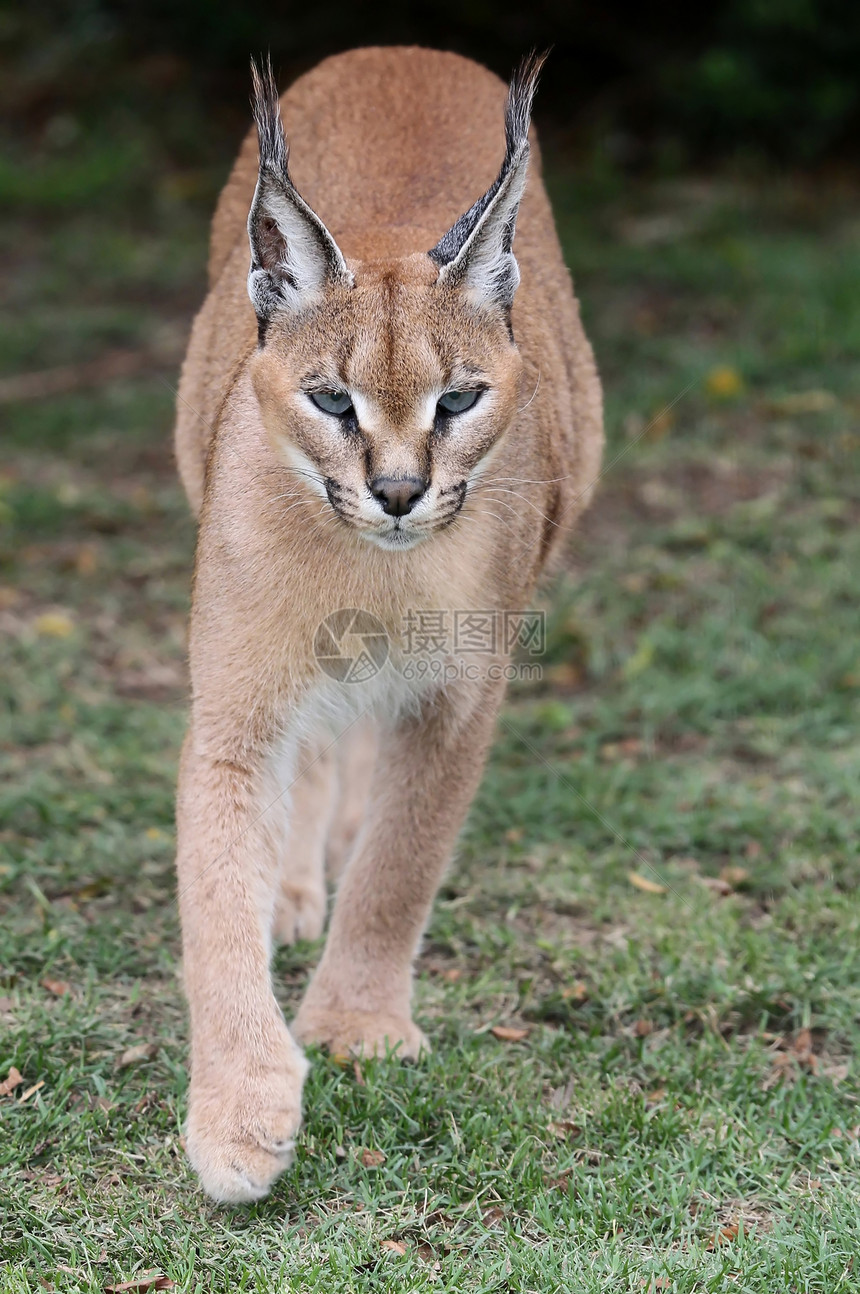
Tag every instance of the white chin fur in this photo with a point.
(393, 540)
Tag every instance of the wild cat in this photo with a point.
(404, 421)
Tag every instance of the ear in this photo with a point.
(293, 255)
(475, 254)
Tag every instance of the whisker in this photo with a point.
(534, 393)
(498, 489)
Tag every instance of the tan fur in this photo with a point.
(389, 147)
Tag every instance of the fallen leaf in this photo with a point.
(729, 1232)
(393, 1246)
(734, 876)
(53, 624)
(655, 1097)
(452, 975)
(493, 1216)
(25, 1096)
(359, 1077)
(145, 1281)
(724, 382)
(10, 1082)
(643, 883)
(802, 1042)
(371, 1158)
(506, 1033)
(561, 1097)
(58, 987)
(426, 1254)
(137, 1054)
(716, 884)
(576, 992)
(564, 1128)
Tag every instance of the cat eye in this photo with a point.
(457, 401)
(336, 402)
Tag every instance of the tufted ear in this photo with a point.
(293, 255)
(475, 254)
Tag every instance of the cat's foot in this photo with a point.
(360, 1033)
(241, 1128)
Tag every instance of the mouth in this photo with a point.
(396, 539)
(401, 533)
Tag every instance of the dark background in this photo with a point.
(641, 86)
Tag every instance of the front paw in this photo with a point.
(359, 1033)
(241, 1128)
(300, 913)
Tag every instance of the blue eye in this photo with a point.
(336, 402)
(457, 401)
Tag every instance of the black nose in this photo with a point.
(398, 496)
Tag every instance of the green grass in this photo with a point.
(667, 1123)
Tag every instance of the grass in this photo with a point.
(682, 1112)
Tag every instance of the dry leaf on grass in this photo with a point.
(393, 1246)
(10, 1082)
(506, 1033)
(644, 884)
(371, 1158)
(724, 1234)
(141, 1284)
(31, 1091)
(717, 885)
(137, 1054)
(493, 1216)
(53, 624)
(58, 987)
(734, 876)
(564, 1128)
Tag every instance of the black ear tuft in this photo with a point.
(518, 109)
(266, 107)
(521, 93)
(293, 255)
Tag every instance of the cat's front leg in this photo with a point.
(427, 771)
(246, 1070)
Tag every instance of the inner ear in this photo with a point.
(293, 255)
(271, 245)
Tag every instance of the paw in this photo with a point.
(300, 913)
(360, 1033)
(240, 1136)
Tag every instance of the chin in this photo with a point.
(394, 540)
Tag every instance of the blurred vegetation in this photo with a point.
(92, 91)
